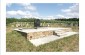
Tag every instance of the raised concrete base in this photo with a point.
(42, 32)
(45, 35)
(48, 39)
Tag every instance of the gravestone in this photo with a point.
(36, 23)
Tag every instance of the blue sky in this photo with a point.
(42, 10)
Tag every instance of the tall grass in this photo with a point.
(15, 42)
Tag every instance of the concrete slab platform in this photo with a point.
(57, 33)
(39, 29)
(48, 39)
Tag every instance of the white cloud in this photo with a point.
(30, 7)
(73, 15)
(21, 12)
(25, 14)
(31, 16)
(48, 17)
(74, 8)
(29, 11)
(72, 11)
(60, 16)
(65, 10)
(25, 4)
(35, 13)
(11, 12)
(18, 12)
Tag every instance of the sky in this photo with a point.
(42, 10)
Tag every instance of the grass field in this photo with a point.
(15, 42)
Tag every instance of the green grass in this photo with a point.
(15, 42)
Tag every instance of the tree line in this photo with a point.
(11, 20)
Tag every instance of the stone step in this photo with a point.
(62, 32)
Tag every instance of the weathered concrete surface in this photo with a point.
(48, 39)
(45, 34)
(35, 35)
(42, 32)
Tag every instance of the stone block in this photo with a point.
(35, 35)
